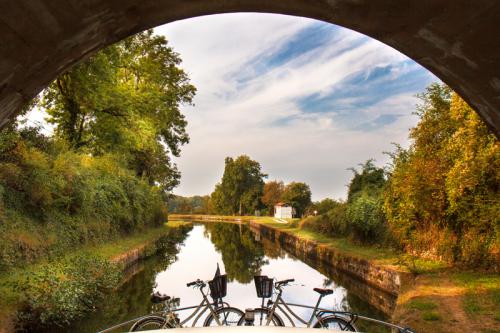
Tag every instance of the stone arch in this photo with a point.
(456, 40)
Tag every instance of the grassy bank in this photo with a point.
(441, 298)
(112, 251)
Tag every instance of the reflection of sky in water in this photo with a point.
(198, 259)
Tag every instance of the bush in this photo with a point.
(367, 220)
(53, 199)
(442, 197)
(333, 223)
(58, 293)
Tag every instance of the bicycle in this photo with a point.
(267, 315)
(220, 313)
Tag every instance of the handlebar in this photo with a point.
(198, 282)
(283, 282)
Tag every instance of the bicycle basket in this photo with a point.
(218, 286)
(264, 286)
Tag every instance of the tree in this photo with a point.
(443, 195)
(298, 195)
(323, 206)
(188, 205)
(241, 187)
(370, 181)
(125, 100)
(273, 191)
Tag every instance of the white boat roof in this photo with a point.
(241, 329)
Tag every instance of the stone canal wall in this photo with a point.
(148, 249)
(384, 278)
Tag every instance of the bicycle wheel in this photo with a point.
(228, 316)
(150, 323)
(336, 323)
(260, 318)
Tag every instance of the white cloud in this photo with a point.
(231, 118)
(245, 106)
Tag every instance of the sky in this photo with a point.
(304, 98)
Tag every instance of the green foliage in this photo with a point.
(422, 305)
(240, 189)
(188, 205)
(298, 195)
(273, 190)
(53, 198)
(125, 100)
(323, 206)
(370, 181)
(366, 219)
(443, 197)
(107, 167)
(360, 218)
(333, 223)
(58, 293)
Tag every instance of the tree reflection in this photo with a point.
(242, 255)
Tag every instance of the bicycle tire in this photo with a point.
(335, 322)
(260, 318)
(150, 323)
(229, 316)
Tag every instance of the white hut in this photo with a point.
(283, 211)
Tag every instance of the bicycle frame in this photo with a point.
(204, 305)
(318, 313)
(279, 301)
(168, 312)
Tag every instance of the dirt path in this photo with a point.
(434, 303)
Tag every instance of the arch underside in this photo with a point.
(457, 40)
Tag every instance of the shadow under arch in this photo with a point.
(453, 39)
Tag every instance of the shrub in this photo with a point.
(333, 223)
(53, 199)
(366, 219)
(58, 293)
(442, 197)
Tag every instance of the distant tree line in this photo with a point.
(189, 205)
(242, 191)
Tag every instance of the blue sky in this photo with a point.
(306, 99)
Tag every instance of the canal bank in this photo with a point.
(388, 278)
(431, 296)
(240, 254)
(126, 253)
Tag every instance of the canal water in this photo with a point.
(241, 254)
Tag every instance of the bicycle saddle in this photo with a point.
(323, 292)
(159, 298)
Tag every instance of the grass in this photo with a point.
(431, 316)
(372, 253)
(482, 293)
(122, 245)
(107, 250)
(427, 309)
(422, 305)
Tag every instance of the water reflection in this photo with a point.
(241, 254)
